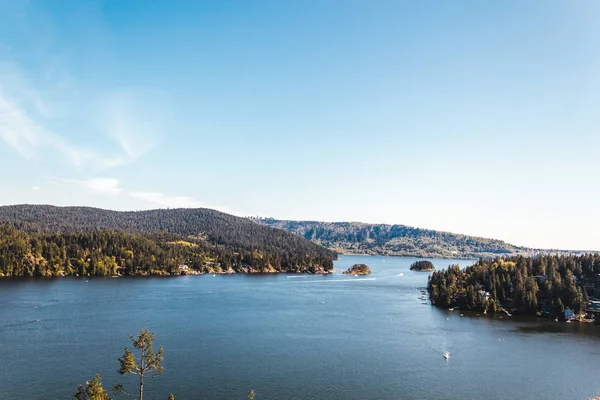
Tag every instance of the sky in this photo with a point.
(475, 117)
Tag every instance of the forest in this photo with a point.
(398, 240)
(422, 265)
(215, 227)
(110, 253)
(42, 240)
(544, 285)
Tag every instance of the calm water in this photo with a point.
(305, 337)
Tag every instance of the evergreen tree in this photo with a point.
(93, 390)
(149, 363)
(523, 284)
(80, 394)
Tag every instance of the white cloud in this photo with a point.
(16, 129)
(36, 188)
(120, 116)
(100, 185)
(146, 199)
(166, 200)
(25, 117)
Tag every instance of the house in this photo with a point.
(183, 268)
(484, 295)
(569, 314)
(593, 306)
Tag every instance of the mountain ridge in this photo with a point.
(402, 240)
(218, 230)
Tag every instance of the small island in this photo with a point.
(358, 269)
(423, 265)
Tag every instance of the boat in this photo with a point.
(446, 355)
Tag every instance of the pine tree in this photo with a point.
(79, 394)
(149, 363)
(93, 390)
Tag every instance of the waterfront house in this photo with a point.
(484, 295)
(183, 268)
(569, 314)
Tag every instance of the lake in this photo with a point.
(293, 337)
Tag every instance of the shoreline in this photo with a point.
(9, 277)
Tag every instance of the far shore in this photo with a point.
(342, 253)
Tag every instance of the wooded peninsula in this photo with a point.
(542, 285)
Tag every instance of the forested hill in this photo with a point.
(398, 240)
(203, 228)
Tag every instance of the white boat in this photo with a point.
(446, 355)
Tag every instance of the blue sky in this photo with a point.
(467, 116)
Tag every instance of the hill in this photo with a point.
(397, 240)
(225, 239)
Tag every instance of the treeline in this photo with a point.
(396, 240)
(108, 253)
(543, 285)
(235, 233)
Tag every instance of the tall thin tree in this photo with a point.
(148, 364)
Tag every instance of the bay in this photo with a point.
(287, 337)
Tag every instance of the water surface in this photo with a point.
(287, 337)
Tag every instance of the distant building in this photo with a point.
(183, 268)
(569, 314)
(593, 306)
(484, 295)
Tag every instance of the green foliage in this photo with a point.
(358, 269)
(80, 394)
(422, 265)
(149, 363)
(161, 240)
(106, 253)
(527, 285)
(93, 390)
(396, 240)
